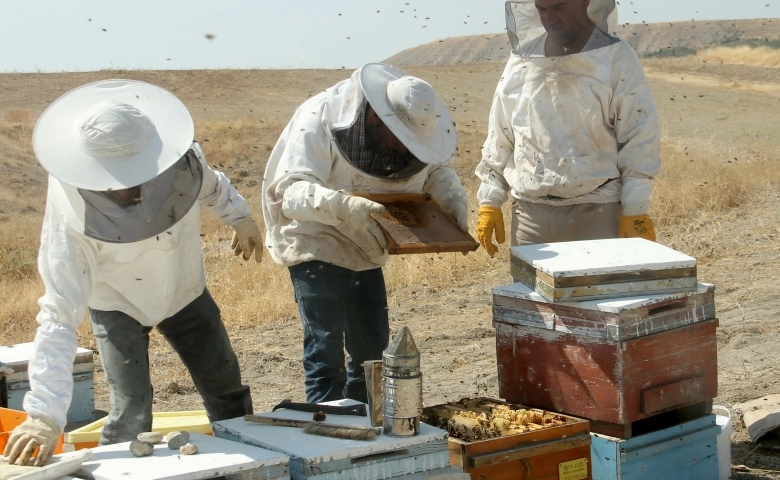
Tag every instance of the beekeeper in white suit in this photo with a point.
(380, 131)
(121, 236)
(573, 135)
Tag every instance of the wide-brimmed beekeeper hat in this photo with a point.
(112, 134)
(412, 111)
(523, 23)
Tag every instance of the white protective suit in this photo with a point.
(150, 280)
(307, 175)
(579, 128)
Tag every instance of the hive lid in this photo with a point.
(600, 257)
(608, 305)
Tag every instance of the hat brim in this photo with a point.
(435, 149)
(57, 145)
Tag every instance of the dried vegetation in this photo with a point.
(699, 181)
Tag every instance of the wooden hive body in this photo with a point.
(614, 364)
(536, 454)
(685, 451)
(595, 269)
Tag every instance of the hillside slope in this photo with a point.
(646, 38)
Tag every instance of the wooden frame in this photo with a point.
(415, 223)
(535, 454)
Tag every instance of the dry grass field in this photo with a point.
(717, 198)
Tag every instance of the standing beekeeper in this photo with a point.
(121, 236)
(573, 134)
(380, 131)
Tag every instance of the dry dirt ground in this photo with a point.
(453, 325)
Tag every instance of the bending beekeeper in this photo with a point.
(380, 131)
(121, 236)
(573, 134)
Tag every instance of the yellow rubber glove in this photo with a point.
(637, 226)
(39, 433)
(490, 222)
(246, 239)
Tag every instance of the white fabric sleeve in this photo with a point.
(66, 264)
(637, 132)
(304, 166)
(311, 202)
(497, 150)
(218, 195)
(444, 186)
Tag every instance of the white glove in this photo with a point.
(460, 212)
(247, 238)
(356, 211)
(39, 433)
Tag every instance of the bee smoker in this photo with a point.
(401, 386)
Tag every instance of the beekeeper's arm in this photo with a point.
(638, 137)
(444, 186)
(494, 189)
(223, 200)
(65, 264)
(298, 186)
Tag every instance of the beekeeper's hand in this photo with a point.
(490, 222)
(39, 433)
(637, 226)
(247, 238)
(459, 211)
(356, 211)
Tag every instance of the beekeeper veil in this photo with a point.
(523, 23)
(120, 159)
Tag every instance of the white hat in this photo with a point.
(112, 134)
(412, 111)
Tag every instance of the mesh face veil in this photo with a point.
(164, 200)
(523, 23)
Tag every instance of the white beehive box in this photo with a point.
(314, 457)
(600, 269)
(82, 406)
(216, 458)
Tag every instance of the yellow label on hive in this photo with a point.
(573, 469)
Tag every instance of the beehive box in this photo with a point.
(495, 440)
(610, 319)
(216, 458)
(599, 269)
(82, 405)
(315, 457)
(164, 422)
(415, 223)
(597, 368)
(686, 451)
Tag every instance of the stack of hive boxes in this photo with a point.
(621, 333)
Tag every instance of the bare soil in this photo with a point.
(452, 325)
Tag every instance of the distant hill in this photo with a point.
(648, 39)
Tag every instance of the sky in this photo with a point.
(80, 35)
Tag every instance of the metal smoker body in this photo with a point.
(401, 386)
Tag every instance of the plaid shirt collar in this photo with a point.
(352, 141)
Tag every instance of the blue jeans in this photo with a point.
(198, 335)
(340, 308)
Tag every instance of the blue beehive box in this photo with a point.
(82, 406)
(314, 457)
(686, 451)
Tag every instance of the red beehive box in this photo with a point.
(614, 362)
